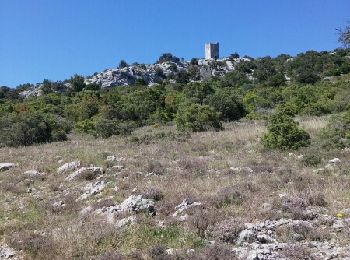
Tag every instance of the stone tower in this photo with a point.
(212, 51)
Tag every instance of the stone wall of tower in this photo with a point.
(212, 51)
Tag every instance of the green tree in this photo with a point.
(78, 83)
(283, 133)
(344, 36)
(227, 103)
(197, 118)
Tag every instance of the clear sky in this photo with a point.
(54, 39)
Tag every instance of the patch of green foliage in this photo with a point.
(197, 118)
(283, 133)
(311, 83)
(26, 128)
(337, 133)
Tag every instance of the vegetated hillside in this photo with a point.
(158, 194)
(311, 83)
(250, 164)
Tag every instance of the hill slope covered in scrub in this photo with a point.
(249, 163)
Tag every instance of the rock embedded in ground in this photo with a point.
(93, 189)
(68, 167)
(33, 173)
(335, 160)
(89, 172)
(133, 204)
(184, 205)
(6, 166)
(7, 253)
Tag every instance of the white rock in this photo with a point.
(68, 167)
(7, 253)
(92, 189)
(137, 204)
(125, 221)
(335, 160)
(6, 166)
(184, 205)
(85, 170)
(33, 173)
(111, 158)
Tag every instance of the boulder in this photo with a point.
(68, 167)
(135, 203)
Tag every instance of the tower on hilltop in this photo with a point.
(212, 51)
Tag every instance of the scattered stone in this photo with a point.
(111, 158)
(91, 172)
(7, 253)
(58, 206)
(133, 204)
(185, 204)
(137, 204)
(92, 189)
(68, 167)
(33, 173)
(125, 221)
(335, 160)
(6, 166)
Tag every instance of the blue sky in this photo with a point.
(54, 39)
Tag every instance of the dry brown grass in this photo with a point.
(195, 168)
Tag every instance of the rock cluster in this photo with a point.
(261, 240)
(149, 74)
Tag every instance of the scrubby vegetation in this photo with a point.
(312, 83)
(284, 133)
(190, 170)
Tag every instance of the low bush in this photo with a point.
(197, 118)
(337, 133)
(284, 133)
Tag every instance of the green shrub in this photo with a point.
(337, 133)
(227, 103)
(106, 128)
(197, 118)
(284, 133)
(311, 160)
(30, 128)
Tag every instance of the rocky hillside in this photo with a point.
(155, 73)
(172, 71)
(161, 195)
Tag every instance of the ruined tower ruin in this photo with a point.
(212, 51)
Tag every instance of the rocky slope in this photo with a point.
(150, 74)
(214, 195)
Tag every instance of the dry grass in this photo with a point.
(195, 168)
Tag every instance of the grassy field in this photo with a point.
(228, 172)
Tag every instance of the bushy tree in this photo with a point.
(168, 57)
(123, 64)
(197, 118)
(30, 128)
(344, 35)
(284, 133)
(78, 83)
(337, 132)
(227, 103)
